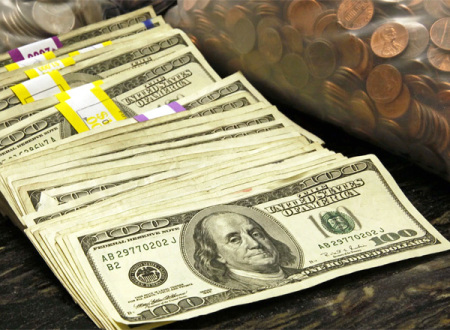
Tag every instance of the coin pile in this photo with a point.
(378, 68)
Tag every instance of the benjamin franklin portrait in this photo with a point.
(242, 248)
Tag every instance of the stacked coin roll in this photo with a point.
(379, 68)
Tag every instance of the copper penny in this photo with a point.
(434, 8)
(292, 38)
(355, 14)
(362, 113)
(445, 141)
(414, 122)
(321, 58)
(430, 82)
(384, 83)
(396, 108)
(418, 40)
(243, 35)
(443, 85)
(350, 49)
(440, 33)
(444, 96)
(389, 40)
(415, 4)
(439, 58)
(295, 70)
(302, 14)
(426, 134)
(270, 45)
(366, 64)
(323, 20)
(232, 16)
(268, 22)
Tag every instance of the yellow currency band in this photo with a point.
(15, 66)
(77, 52)
(25, 96)
(22, 93)
(12, 67)
(74, 119)
(33, 73)
(64, 96)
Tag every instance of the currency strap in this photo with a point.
(41, 87)
(35, 49)
(165, 110)
(88, 49)
(148, 24)
(30, 61)
(77, 91)
(88, 108)
(49, 67)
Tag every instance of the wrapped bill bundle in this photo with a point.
(157, 191)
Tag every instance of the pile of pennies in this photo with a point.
(25, 21)
(379, 68)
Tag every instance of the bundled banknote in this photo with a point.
(156, 191)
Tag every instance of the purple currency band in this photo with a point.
(57, 42)
(140, 118)
(16, 55)
(148, 24)
(176, 107)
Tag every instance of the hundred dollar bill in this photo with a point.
(145, 144)
(131, 184)
(228, 103)
(10, 98)
(128, 56)
(12, 112)
(96, 29)
(226, 131)
(240, 86)
(150, 86)
(49, 158)
(325, 224)
(137, 33)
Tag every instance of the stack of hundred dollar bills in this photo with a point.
(157, 191)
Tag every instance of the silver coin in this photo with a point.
(23, 17)
(89, 11)
(418, 40)
(54, 18)
(5, 19)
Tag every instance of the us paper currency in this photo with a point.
(83, 73)
(147, 150)
(313, 228)
(97, 29)
(132, 181)
(142, 36)
(135, 91)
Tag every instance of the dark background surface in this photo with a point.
(413, 293)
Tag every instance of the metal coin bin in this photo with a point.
(379, 69)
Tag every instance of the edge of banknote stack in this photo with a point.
(157, 191)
